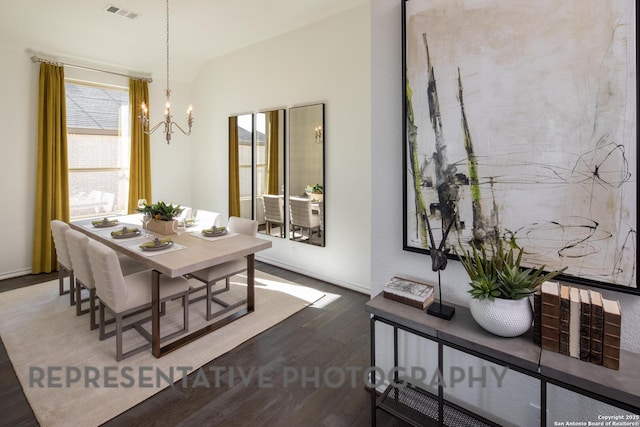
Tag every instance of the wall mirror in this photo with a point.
(270, 173)
(306, 201)
(256, 169)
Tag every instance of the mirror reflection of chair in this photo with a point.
(58, 230)
(274, 212)
(124, 295)
(302, 217)
(211, 275)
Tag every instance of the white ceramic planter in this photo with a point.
(503, 317)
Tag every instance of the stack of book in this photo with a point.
(410, 292)
(579, 323)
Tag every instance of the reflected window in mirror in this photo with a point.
(270, 172)
(306, 203)
(241, 137)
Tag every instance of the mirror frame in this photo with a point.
(314, 134)
(236, 207)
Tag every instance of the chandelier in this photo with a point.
(167, 122)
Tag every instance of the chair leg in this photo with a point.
(78, 299)
(208, 314)
(78, 290)
(61, 281)
(102, 326)
(185, 311)
(118, 337)
(72, 288)
(92, 309)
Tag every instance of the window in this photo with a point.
(98, 149)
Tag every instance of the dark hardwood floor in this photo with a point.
(306, 371)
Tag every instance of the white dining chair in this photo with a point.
(124, 295)
(274, 212)
(302, 217)
(58, 229)
(208, 219)
(210, 276)
(77, 244)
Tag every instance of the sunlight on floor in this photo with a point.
(304, 293)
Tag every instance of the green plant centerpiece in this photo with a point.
(315, 192)
(500, 287)
(160, 216)
(314, 189)
(161, 211)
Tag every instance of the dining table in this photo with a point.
(190, 251)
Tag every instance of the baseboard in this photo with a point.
(347, 285)
(16, 273)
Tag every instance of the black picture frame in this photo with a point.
(593, 159)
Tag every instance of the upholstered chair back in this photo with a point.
(77, 244)
(273, 208)
(109, 281)
(301, 212)
(208, 219)
(58, 229)
(245, 226)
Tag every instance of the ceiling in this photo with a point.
(82, 31)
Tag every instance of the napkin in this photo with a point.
(214, 230)
(104, 221)
(152, 243)
(132, 230)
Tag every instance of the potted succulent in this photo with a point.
(315, 192)
(159, 217)
(500, 287)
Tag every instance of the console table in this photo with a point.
(420, 407)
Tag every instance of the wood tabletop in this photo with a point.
(198, 253)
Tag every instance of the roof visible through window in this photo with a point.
(94, 107)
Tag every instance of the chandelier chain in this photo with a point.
(168, 90)
(167, 122)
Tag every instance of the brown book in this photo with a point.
(410, 292)
(537, 316)
(564, 320)
(597, 325)
(574, 322)
(550, 318)
(585, 324)
(611, 334)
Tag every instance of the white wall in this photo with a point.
(387, 257)
(324, 62)
(18, 144)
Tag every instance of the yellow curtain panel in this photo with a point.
(234, 168)
(273, 175)
(140, 167)
(52, 180)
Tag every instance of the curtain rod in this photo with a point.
(36, 58)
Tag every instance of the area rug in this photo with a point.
(71, 378)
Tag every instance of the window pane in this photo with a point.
(96, 192)
(98, 149)
(94, 107)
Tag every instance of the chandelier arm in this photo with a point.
(182, 130)
(153, 129)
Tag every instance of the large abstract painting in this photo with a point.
(521, 124)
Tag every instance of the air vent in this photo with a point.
(122, 12)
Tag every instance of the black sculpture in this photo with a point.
(439, 263)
